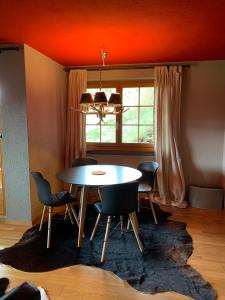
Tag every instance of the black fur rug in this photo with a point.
(162, 267)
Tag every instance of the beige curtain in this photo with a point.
(75, 129)
(167, 103)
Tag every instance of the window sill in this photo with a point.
(121, 152)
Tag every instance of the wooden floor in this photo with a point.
(207, 229)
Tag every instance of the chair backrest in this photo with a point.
(148, 169)
(119, 199)
(43, 188)
(83, 161)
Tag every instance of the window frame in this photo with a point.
(120, 147)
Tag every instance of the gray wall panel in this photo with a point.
(14, 130)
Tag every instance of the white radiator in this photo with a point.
(203, 197)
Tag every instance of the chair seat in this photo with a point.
(144, 188)
(62, 198)
(98, 206)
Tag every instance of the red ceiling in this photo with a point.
(72, 32)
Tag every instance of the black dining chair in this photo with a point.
(147, 183)
(118, 200)
(24, 291)
(50, 201)
(84, 161)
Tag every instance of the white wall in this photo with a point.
(14, 130)
(203, 123)
(223, 166)
(110, 75)
(46, 84)
(123, 160)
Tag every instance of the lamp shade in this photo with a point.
(115, 99)
(100, 97)
(86, 98)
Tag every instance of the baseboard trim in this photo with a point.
(4, 220)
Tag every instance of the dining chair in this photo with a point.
(147, 183)
(25, 291)
(84, 161)
(50, 201)
(118, 200)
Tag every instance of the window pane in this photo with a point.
(146, 134)
(93, 133)
(147, 96)
(136, 125)
(130, 96)
(109, 91)
(92, 91)
(109, 120)
(146, 115)
(108, 134)
(129, 134)
(130, 116)
(92, 119)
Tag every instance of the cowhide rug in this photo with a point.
(162, 267)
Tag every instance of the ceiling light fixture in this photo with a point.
(100, 105)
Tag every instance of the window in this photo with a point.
(131, 130)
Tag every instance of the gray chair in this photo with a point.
(25, 291)
(84, 161)
(118, 200)
(147, 182)
(50, 201)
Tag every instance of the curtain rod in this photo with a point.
(123, 66)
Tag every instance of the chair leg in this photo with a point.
(94, 229)
(69, 213)
(135, 229)
(106, 238)
(136, 223)
(99, 194)
(82, 212)
(65, 215)
(139, 203)
(74, 213)
(128, 224)
(121, 225)
(42, 217)
(152, 208)
(49, 226)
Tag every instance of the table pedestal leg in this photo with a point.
(83, 205)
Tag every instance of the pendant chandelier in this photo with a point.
(100, 105)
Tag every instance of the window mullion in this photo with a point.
(119, 119)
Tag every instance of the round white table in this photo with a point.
(95, 175)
